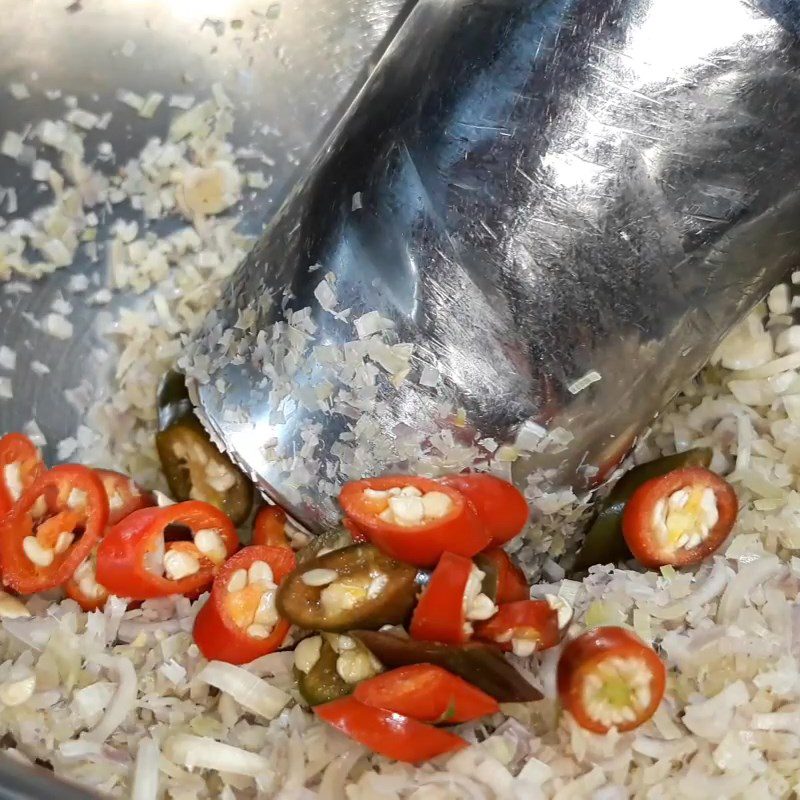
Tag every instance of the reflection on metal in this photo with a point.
(530, 191)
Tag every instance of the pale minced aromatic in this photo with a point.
(122, 700)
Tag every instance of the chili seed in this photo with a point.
(319, 577)
(238, 581)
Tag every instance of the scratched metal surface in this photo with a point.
(546, 188)
(288, 67)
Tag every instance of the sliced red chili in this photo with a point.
(52, 528)
(426, 693)
(416, 527)
(440, 615)
(136, 558)
(239, 622)
(124, 495)
(509, 581)
(269, 527)
(500, 506)
(679, 518)
(392, 735)
(20, 465)
(524, 627)
(608, 677)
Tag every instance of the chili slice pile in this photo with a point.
(96, 533)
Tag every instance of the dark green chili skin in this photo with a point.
(604, 542)
(181, 433)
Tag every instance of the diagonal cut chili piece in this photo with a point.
(500, 506)
(391, 735)
(136, 560)
(504, 581)
(52, 528)
(480, 664)
(269, 527)
(450, 602)
(426, 693)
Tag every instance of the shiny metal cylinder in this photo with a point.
(560, 207)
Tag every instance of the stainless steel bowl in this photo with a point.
(286, 64)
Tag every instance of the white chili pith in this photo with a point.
(522, 646)
(307, 653)
(409, 506)
(617, 690)
(476, 605)
(116, 499)
(12, 477)
(39, 555)
(250, 599)
(686, 517)
(86, 577)
(77, 499)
